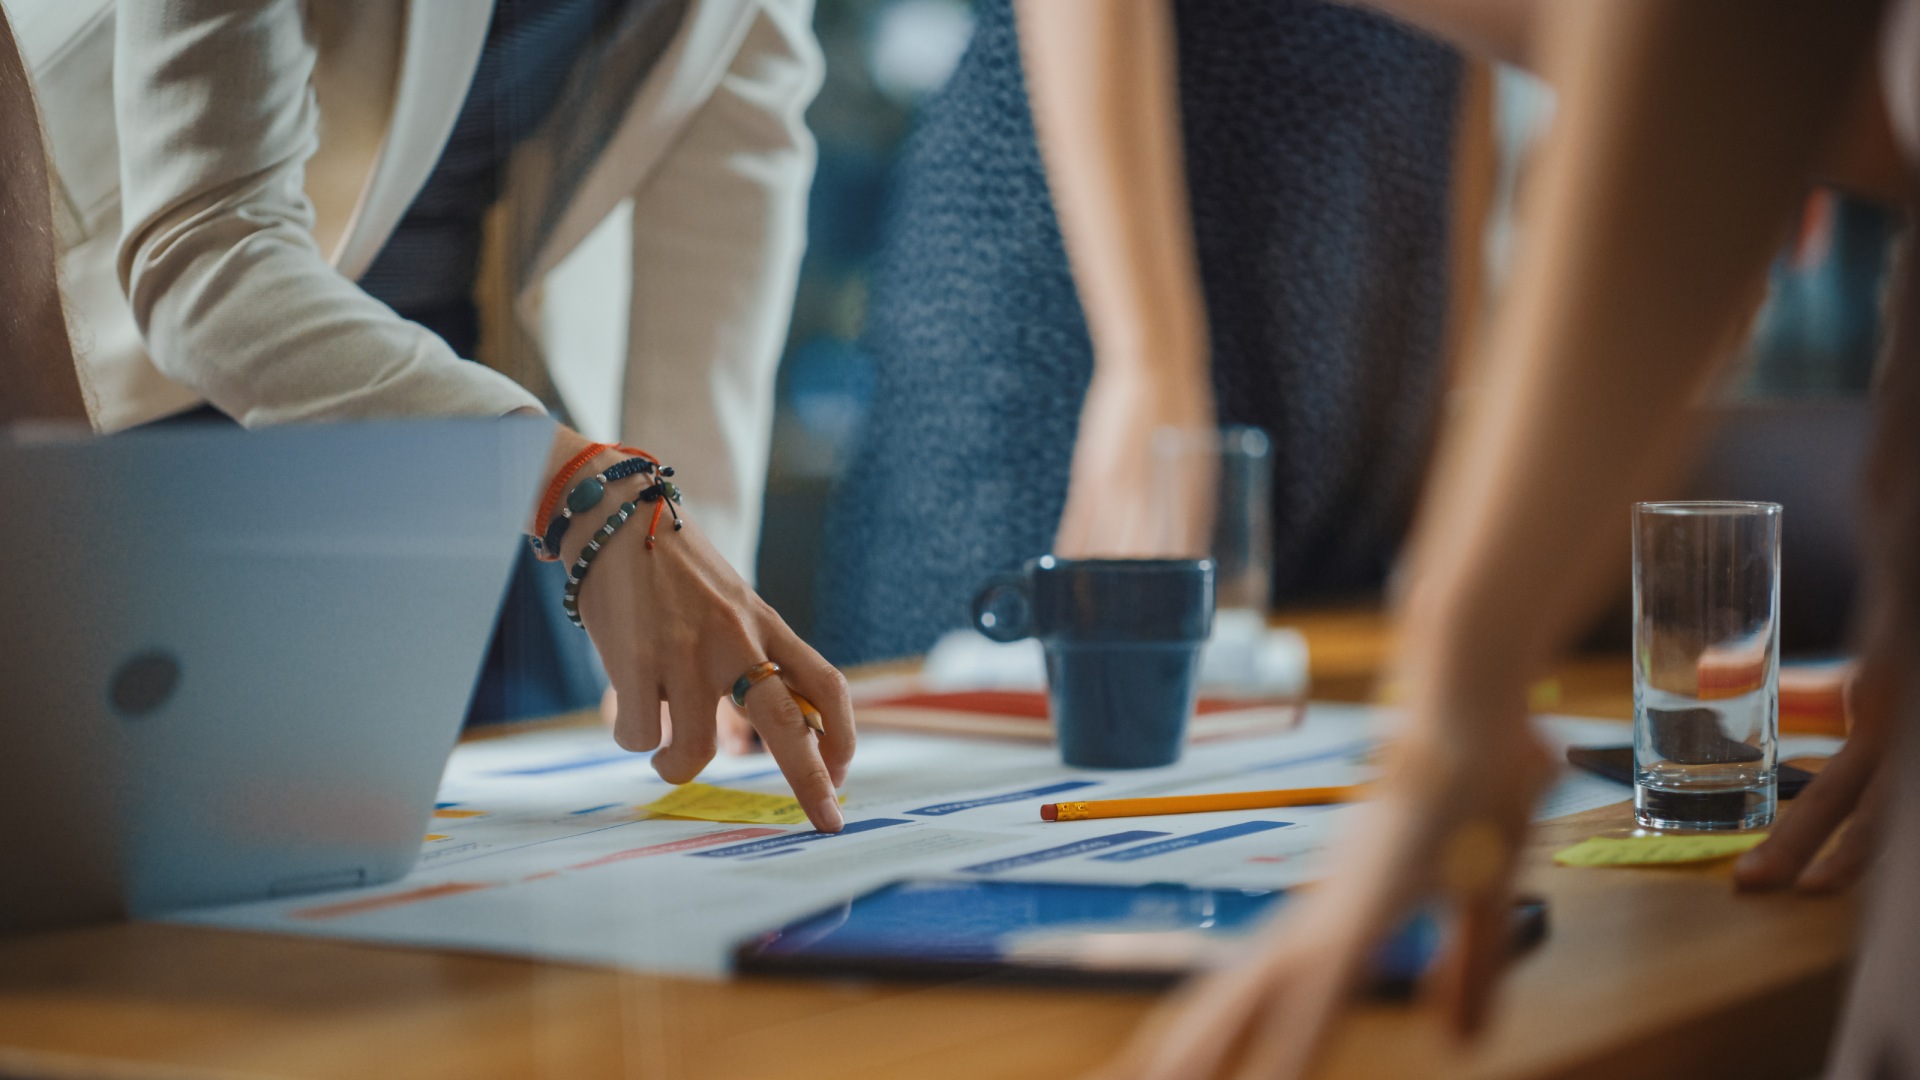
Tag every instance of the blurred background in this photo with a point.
(1793, 404)
(884, 57)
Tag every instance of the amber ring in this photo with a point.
(766, 669)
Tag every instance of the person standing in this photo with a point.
(1684, 138)
(326, 210)
(269, 153)
(1030, 330)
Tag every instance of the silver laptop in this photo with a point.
(232, 664)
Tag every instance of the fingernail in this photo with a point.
(826, 811)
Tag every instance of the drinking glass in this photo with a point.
(1706, 658)
(1234, 465)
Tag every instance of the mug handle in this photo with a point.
(1003, 608)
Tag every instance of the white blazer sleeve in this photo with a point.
(719, 230)
(217, 119)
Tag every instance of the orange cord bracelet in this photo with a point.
(558, 486)
(574, 464)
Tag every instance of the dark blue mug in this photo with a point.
(1122, 638)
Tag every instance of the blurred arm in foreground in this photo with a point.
(1685, 135)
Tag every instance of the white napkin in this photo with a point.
(1243, 658)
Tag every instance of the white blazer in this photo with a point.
(265, 150)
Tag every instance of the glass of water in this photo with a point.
(1706, 658)
(1234, 512)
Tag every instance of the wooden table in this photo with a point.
(1645, 973)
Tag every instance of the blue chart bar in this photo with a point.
(569, 766)
(1178, 843)
(942, 809)
(771, 843)
(1344, 750)
(1064, 851)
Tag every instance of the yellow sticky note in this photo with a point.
(1655, 850)
(704, 802)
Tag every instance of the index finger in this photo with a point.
(776, 716)
(826, 689)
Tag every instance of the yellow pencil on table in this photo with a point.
(1200, 804)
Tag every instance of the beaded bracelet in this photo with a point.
(664, 494)
(585, 496)
(577, 575)
(558, 484)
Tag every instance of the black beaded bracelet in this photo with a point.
(585, 496)
(577, 574)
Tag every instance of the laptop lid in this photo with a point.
(232, 663)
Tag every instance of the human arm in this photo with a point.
(1101, 79)
(1685, 134)
(718, 232)
(217, 121)
(675, 624)
(37, 374)
(1860, 159)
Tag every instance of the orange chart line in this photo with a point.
(377, 903)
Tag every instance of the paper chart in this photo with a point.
(539, 846)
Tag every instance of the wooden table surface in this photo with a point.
(1645, 973)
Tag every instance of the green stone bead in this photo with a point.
(586, 495)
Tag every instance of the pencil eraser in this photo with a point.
(1049, 812)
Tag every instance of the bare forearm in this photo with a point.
(1101, 79)
(1686, 134)
(1860, 158)
(222, 267)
